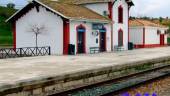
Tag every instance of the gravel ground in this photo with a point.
(159, 87)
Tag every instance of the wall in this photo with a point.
(98, 7)
(90, 39)
(151, 36)
(117, 26)
(136, 35)
(52, 35)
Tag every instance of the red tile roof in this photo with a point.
(141, 22)
(73, 11)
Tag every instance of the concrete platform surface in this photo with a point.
(13, 71)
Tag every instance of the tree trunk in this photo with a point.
(36, 43)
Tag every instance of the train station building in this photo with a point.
(79, 26)
(147, 34)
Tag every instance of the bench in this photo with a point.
(94, 50)
(119, 48)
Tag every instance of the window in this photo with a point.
(120, 14)
(158, 32)
(105, 13)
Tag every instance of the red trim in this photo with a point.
(128, 27)
(106, 41)
(110, 8)
(148, 45)
(120, 30)
(143, 36)
(81, 26)
(66, 36)
(162, 39)
(14, 34)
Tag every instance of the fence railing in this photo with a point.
(24, 52)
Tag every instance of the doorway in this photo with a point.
(162, 39)
(81, 39)
(120, 38)
(102, 40)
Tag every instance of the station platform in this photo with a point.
(21, 72)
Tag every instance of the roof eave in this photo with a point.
(41, 5)
(15, 13)
(131, 26)
(91, 20)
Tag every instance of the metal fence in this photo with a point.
(24, 52)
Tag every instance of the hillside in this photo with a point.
(5, 28)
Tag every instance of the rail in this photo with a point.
(24, 52)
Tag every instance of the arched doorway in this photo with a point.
(81, 39)
(102, 39)
(120, 38)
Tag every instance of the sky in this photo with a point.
(150, 8)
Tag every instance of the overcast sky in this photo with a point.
(152, 8)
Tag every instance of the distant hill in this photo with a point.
(5, 28)
(165, 22)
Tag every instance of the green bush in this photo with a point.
(6, 27)
(6, 12)
(168, 40)
(6, 40)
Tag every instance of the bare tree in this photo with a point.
(37, 30)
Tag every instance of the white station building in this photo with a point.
(147, 34)
(82, 23)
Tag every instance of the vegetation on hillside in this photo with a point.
(5, 27)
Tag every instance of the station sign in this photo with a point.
(97, 26)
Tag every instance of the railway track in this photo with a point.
(116, 86)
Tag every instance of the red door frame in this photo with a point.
(66, 36)
(84, 38)
(14, 34)
(162, 39)
(143, 37)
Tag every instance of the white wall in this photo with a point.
(98, 7)
(52, 35)
(151, 36)
(117, 26)
(90, 39)
(136, 35)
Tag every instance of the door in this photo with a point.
(120, 38)
(81, 42)
(102, 41)
(81, 39)
(162, 39)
